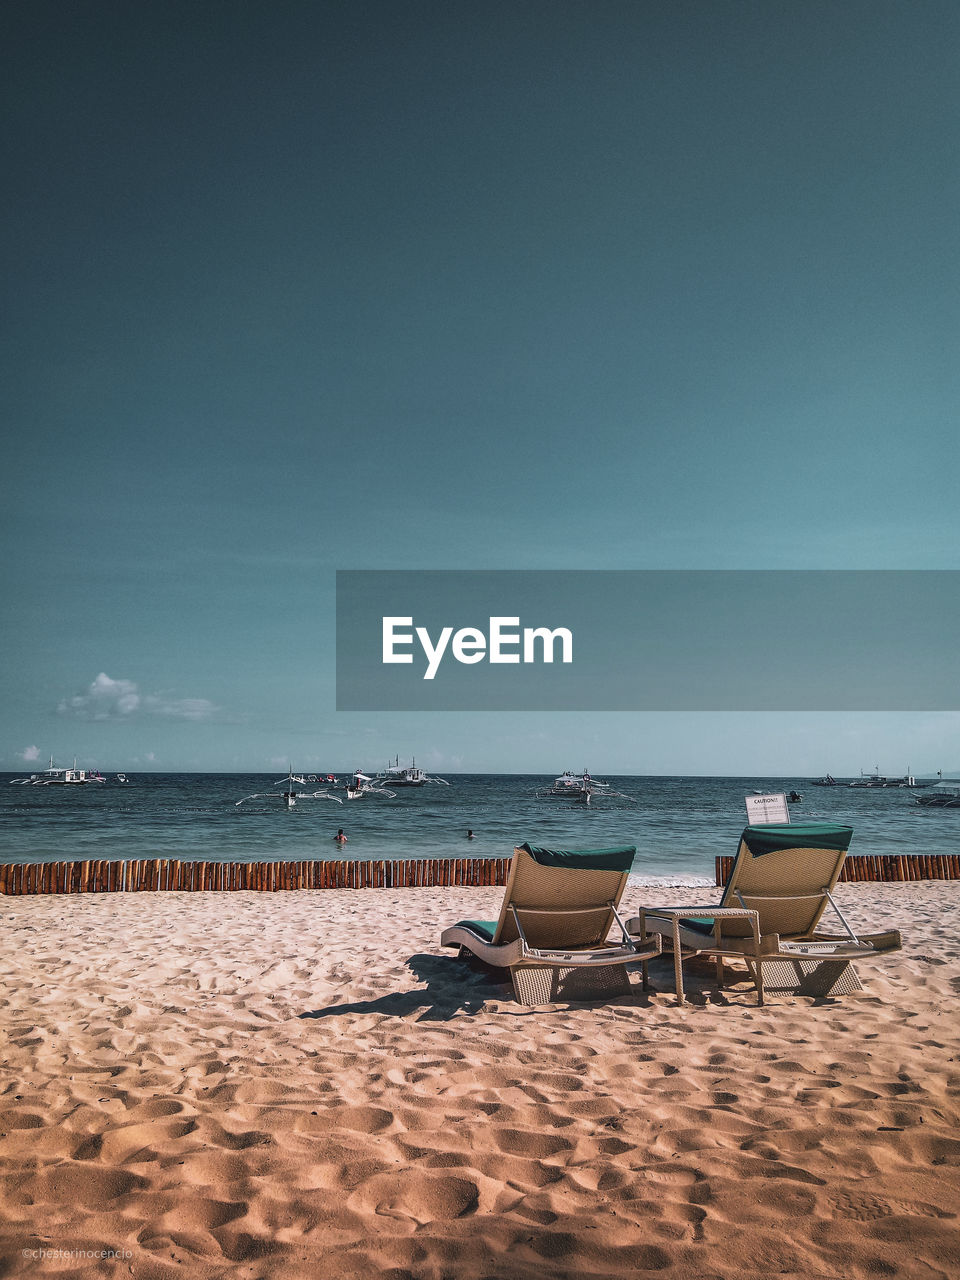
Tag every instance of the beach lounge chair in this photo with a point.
(558, 907)
(780, 885)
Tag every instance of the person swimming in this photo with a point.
(470, 835)
(340, 837)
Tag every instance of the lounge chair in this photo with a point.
(780, 885)
(558, 907)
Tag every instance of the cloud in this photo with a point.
(29, 753)
(109, 699)
(106, 699)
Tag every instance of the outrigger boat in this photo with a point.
(361, 784)
(290, 795)
(581, 788)
(53, 776)
(876, 779)
(944, 795)
(401, 775)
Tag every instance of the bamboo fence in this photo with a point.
(153, 874)
(866, 868)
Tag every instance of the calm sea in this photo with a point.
(678, 824)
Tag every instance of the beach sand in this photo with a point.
(303, 1084)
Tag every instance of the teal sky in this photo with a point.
(297, 287)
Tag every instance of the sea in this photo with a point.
(678, 824)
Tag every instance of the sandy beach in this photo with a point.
(304, 1084)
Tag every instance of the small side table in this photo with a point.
(678, 914)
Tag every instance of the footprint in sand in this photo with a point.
(82, 1184)
(202, 1168)
(362, 1119)
(615, 1146)
(124, 1144)
(14, 1119)
(211, 1132)
(861, 1207)
(565, 1245)
(530, 1143)
(936, 1149)
(28, 1143)
(558, 1081)
(416, 1196)
(155, 1109)
(763, 1168)
(199, 1213)
(243, 1247)
(788, 1201)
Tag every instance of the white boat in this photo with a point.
(362, 784)
(876, 779)
(54, 776)
(568, 786)
(290, 795)
(402, 775)
(580, 787)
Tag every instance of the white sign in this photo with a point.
(762, 809)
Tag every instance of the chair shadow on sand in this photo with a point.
(454, 987)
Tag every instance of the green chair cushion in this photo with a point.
(796, 835)
(484, 929)
(618, 859)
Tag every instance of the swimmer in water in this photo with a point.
(340, 837)
(470, 835)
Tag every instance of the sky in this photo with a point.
(298, 287)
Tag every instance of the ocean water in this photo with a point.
(679, 825)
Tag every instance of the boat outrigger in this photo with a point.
(580, 787)
(290, 795)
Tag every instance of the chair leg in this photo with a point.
(677, 962)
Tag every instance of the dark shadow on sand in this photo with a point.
(456, 987)
(700, 984)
